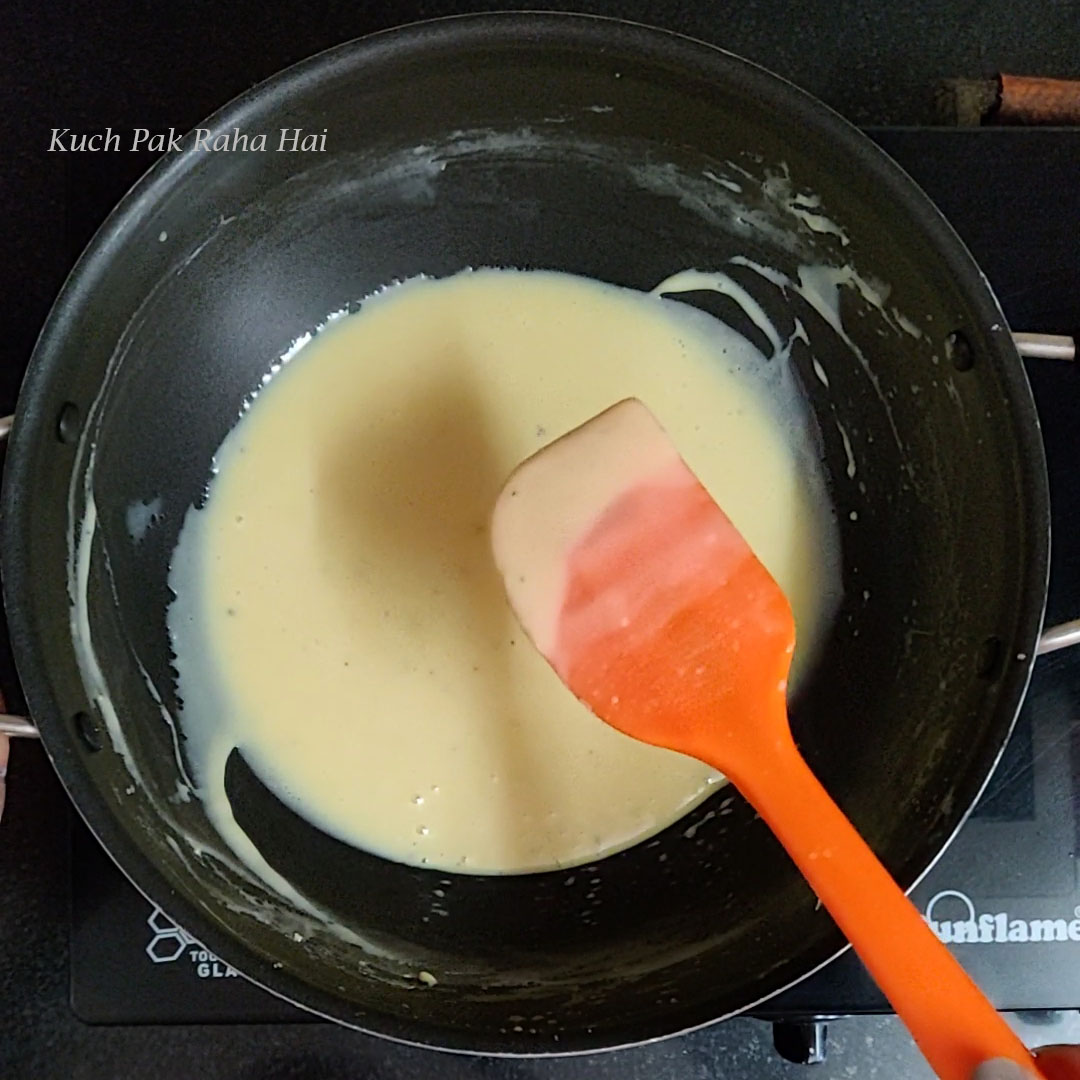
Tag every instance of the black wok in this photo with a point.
(588, 146)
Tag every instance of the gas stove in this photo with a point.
(1005, 895)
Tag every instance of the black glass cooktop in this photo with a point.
(1006, 894)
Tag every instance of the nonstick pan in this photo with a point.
(604, 149)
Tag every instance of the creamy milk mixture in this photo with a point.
(339, 617)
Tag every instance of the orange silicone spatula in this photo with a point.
(655, 612)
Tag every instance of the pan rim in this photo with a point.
(512, 30)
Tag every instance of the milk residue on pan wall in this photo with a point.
(339, 618)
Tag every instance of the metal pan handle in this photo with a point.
(19, 726)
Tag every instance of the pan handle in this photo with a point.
(17, 726)
(1045, 346)
(1057, 637)
(14, 725)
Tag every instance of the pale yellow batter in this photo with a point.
(339, 616)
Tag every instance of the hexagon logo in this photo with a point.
(168, 942)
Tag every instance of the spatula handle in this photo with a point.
(953, 1024)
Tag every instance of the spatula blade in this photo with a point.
(636, 587)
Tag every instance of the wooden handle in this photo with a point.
(953, 1024)
(1029, 99)
(1009, 99)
